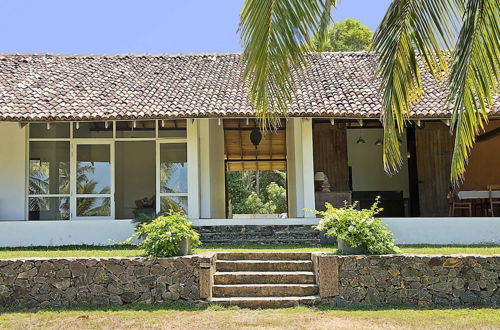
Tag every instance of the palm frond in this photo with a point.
(275, 35)
(474, 77)
(411, 31)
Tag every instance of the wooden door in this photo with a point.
(434, 146)
(330, 154)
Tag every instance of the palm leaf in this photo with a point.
(276, 37)
(474, 77)
(410, 27)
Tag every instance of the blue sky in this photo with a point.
(134, 26)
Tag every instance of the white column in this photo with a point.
(212, 172)
(308, 167)
(300, 170)
(193, 157)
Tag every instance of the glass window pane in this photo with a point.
(174, 203)
(93, 207)
(172, 128)
(95, 129)
(48, 208)
(56, 130)
(93, 169)
(142, 129)
(173, 168)
(48, 168)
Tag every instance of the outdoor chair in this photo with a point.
(493, 201)
(457, 204)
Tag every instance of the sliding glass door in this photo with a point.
(92, 188)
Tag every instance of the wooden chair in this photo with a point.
(457, 204)
(493, 201)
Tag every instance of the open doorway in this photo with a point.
(255, 163)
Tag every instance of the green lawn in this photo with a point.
(215, 317)
(131, 251)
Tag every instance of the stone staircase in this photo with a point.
(264, 280)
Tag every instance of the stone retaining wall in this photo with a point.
(259, 234)
(98, 281)
(409, 280)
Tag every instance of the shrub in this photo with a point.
(162, 236)
(358, 228)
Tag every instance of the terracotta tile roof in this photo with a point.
(90, 87)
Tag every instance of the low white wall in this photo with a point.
(54, 233)
(445, 230)
(107, 232)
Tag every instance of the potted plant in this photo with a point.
(357, 231)
(167, 235)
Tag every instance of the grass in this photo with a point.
(132, 251)
(177, 316)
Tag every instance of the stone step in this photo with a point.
(266, 302)
(264, 278)
(273, 240)
(264, 265)
(264, 256)
(264, 290)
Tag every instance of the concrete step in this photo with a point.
(264, 265)
(264, 278)
(266, 302)
(264, 290)
(263, 256)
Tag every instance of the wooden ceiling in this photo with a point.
(241, 154)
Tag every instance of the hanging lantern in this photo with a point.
(255, 137)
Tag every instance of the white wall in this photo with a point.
(212, 172)
(445, 230)
(12, 171)
(367, 164)
(74, 232)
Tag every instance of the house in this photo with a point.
(84, 138)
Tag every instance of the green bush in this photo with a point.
(162, 236)
(358, 228)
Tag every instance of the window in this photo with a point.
(93, 130)
(173, 176)
(50, 130)
(49, 180)
(135, 129)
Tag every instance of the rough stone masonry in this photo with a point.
(410, 280)
(65, 282)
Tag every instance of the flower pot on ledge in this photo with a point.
(347, 249)
(184, 247)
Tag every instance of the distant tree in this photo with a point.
(347, 35)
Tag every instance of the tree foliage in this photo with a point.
(347, 35)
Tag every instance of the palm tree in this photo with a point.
(460, 35)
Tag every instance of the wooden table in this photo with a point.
(478, 194)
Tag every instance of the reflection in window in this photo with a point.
(93, 169)
(93, 207)
(48, 208)
(173, 168)
(49, 168)
(174, 203)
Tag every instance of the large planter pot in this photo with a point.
(347, 249)
(184, 247)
